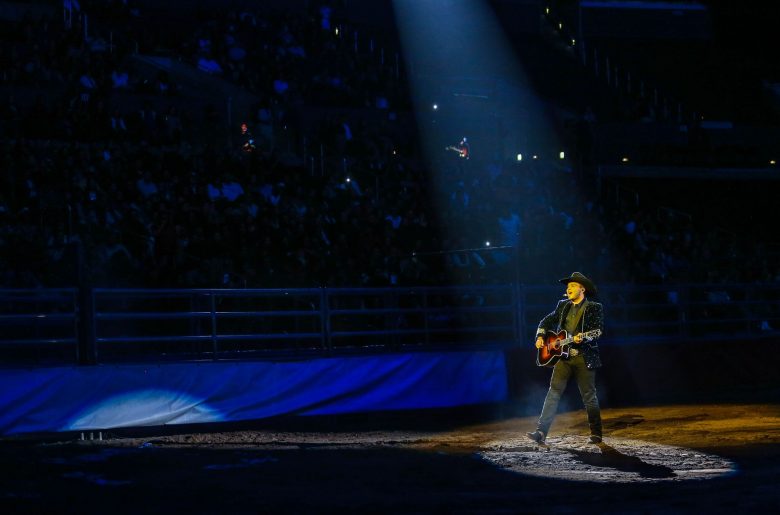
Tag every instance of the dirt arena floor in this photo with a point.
(707, 458)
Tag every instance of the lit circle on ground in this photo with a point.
(573, 458)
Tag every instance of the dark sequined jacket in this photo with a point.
(592, 318)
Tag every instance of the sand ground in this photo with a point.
(673, 458)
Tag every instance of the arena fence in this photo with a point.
(60, 326)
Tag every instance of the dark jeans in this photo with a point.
(586, 381)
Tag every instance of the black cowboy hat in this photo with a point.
(576, 277)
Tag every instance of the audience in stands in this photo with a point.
(107, 179)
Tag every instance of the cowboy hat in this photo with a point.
(576, 277)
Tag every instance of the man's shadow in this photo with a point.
(612, 458)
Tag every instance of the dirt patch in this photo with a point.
(680, 458)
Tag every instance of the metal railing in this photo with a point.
(106, 325)
(233, 323)
(39, 325)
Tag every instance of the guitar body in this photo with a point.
(553, 349)
(556, 346)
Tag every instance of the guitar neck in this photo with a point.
(585, 337)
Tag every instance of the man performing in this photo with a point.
(583, 318)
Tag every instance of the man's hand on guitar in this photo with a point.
(578, 338)
(539, 342)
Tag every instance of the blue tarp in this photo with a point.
(105, 397)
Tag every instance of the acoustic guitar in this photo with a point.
(462, 151)
(556, 346)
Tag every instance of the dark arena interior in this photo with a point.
(393, 256)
